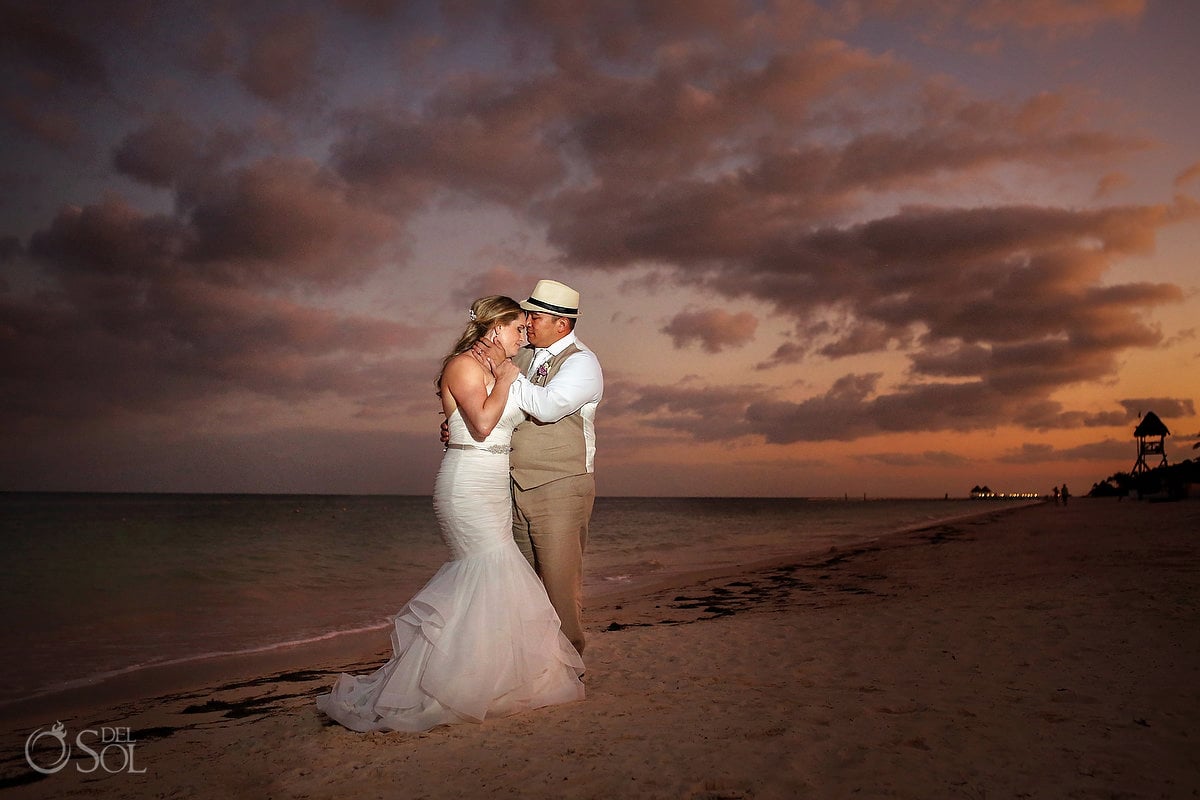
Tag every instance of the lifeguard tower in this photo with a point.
(1151, 436)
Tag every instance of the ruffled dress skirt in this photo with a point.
(480, 639)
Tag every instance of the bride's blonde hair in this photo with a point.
(486, 313)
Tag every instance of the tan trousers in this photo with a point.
(550, 525)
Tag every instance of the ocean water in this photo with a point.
(98, 585)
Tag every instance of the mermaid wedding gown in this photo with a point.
(481, 638)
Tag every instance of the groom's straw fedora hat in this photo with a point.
(552, 297)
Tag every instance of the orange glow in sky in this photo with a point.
(893, 249)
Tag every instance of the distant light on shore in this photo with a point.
(1006, 495)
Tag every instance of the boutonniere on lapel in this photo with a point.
(542, 371)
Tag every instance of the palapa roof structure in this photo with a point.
(1151, 425)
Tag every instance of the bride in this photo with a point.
(480, 639)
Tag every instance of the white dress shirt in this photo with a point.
(577, 386)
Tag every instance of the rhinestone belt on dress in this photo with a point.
(495, 448)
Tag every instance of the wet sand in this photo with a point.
(1038, 652)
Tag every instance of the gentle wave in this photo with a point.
(100, 677)
(107, 585)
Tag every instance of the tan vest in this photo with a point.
(546, 451)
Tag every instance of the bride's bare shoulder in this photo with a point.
(463, 367)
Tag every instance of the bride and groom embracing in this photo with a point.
(498, 628)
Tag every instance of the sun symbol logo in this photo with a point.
(57, 731)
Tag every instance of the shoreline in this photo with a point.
(1037, 651)
(141, 682)
(366, 649)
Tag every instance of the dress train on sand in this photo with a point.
(481, 638)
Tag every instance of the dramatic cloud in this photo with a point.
(1109, 450)
(281, 60)
(183, 344)
(854, 407)
(714, 328)
(49, 70)
(1164, 407)
(164, 153)
(150, 316)
(707, 414)
(34, 35)
(285, 220)
(59, 129)
(482, 138)
(211, 203)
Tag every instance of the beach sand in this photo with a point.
(1044, 652)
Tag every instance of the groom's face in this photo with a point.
(544, 330)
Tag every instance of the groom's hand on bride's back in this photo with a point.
(445, 431)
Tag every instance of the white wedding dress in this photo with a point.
(481, 638)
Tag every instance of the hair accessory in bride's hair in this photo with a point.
(471, 314)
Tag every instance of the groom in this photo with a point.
(554, 449)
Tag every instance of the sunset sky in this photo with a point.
(824, 248)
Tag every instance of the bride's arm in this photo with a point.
(467, 384)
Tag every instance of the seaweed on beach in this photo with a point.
(620, 626)
(939, 534)
(248, 707)
(777, 588)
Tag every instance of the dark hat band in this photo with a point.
(553, 309)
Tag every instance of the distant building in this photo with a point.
(1151, 436)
